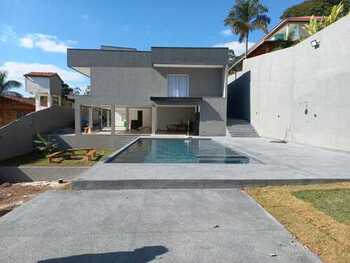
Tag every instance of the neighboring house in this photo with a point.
(46, 87)
(165, 90)
(13, 108)
(288, 32)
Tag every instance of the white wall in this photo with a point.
(302, 94)
(39, 86)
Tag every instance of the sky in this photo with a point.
(34, 34)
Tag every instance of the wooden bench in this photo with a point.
(54, 156)
(90, 155)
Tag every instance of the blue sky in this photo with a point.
(35, 34)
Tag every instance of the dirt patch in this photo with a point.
(13, 195)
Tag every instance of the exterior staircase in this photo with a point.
(241, 128)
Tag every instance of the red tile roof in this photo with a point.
(41, 74)
(29, 101)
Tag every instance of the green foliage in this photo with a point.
(246, 16)
(315, 8)
(316, 25)
(45, 146)
(5, 85)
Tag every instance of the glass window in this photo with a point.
(178, 85)
(43, 101)
(55, 100)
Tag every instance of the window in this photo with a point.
(43, 101)
(55, 100)
(178, 85)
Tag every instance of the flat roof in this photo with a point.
(177, 100)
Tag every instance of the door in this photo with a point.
(140, 117)
(178, 85)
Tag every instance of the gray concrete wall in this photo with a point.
(238, 98)
(213, 117)
(31, 174)
(16, 138)
(93, 141)
(189, 56)
(108, 58)
(127, 86)
(203, 82)
(135, 86)
(55, 86)
(128, 58)
(301, 94)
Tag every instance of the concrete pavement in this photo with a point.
(271, 163)
(146, 226)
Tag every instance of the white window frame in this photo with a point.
(179, 75)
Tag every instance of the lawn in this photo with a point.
(318, 215)
(36, 159)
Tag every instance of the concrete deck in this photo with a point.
(272, 163)
(144, 226)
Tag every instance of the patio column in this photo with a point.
(108, 118)
(90, 117)
(113, 119)
(127, 118)
(224, 81)
(77, 118)
(154, 120)
(101, 118)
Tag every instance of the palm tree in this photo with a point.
(246, 16)
(5, 85)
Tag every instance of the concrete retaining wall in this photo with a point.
(17, 137)
(93, 141)
(30, 174)
(301, 94)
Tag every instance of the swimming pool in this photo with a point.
(150, 150)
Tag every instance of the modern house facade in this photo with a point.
(161, 91)
(46, 88)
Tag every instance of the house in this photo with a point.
(13, 108)
(287, 33)
(162, 91)
(46, 87)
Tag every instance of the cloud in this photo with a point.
(226, 32)
(16, 70)
(238, 48)
(26, 42)
(46, 43)
(7, 33)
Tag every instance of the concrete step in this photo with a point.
(241, 128)
(190, 184)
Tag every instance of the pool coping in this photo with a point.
(113, 155)
(271, 170)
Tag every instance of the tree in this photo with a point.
(246, 16)
(315, 8)
(5, 85)
(316, 25)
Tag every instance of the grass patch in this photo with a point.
(335, 203)
(36, 159)
(318, 215)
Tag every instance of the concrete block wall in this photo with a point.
(16, 138)
(302, 94)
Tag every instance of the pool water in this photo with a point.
(146, 150)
